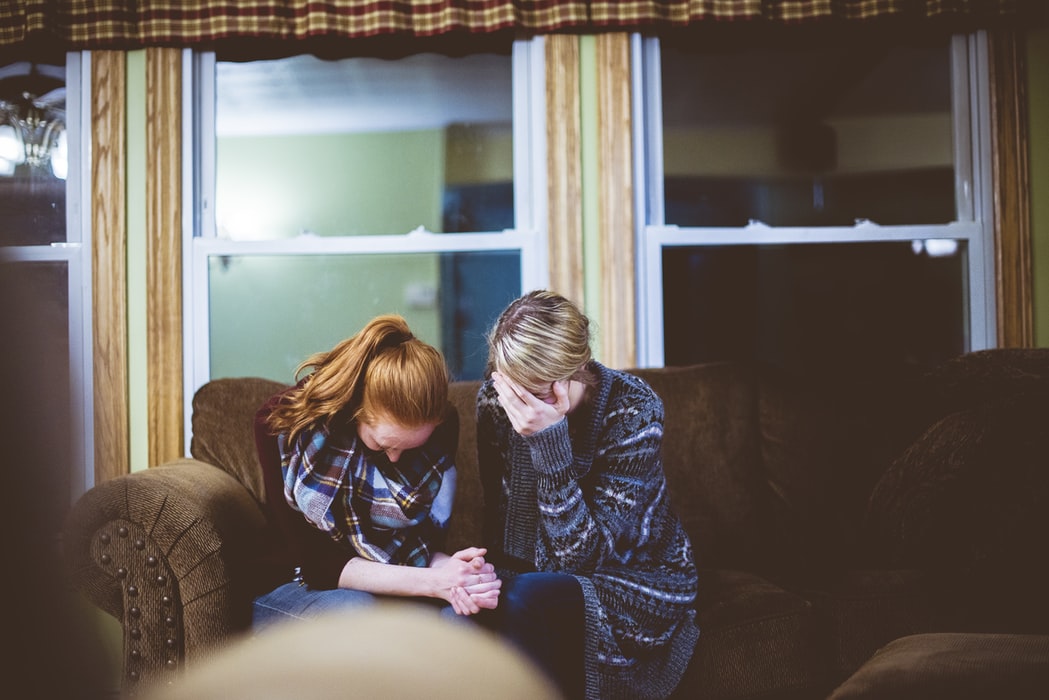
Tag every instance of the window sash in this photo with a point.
(74, 254)
(971, 117)
(201, 242)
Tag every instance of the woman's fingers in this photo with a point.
(470, 554)
(508, 392)
(486, 601)
(561, 401)
(454, 601)
(464, 603)
(483, 587)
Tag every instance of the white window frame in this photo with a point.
(75, 252)
(200, 242)
(974, 224)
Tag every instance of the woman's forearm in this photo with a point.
(389, 579)
(462, 579)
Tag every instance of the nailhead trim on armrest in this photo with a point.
(152, 624)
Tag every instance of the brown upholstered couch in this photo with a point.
(829, 516)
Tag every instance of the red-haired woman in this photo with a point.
(358, 466)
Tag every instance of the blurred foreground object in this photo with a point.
(386, 651)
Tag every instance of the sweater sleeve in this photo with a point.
(592, 518)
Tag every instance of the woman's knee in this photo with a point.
(532, 593)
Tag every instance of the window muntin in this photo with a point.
(784, 212)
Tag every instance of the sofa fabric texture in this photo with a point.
(829, 515)
(954, 665)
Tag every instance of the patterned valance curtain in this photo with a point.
(138, 23)
(680, 13)
(81, 24)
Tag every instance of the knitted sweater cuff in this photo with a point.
(551, 450)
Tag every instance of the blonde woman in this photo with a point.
(599, 583)
(358, 466)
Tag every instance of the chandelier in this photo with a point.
(32, 121)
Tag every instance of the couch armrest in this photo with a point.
(168, 552)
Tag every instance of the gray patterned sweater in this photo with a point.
(588, 497)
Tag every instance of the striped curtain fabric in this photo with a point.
(639, 13)
(91, 24)
(135, 23)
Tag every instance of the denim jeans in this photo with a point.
(541, 614)
(291, 601)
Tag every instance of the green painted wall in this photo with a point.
(278, 187)
(268, 314)
(591, 187)
(138, 356)
(329, 184)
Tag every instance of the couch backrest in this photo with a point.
(712, 458)
(762, 468)
(224, 427)
(973, 490)
(766, 470)
(464, 529)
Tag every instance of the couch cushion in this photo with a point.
(861, 610)
(968, 500)
(977, 378)
(958, 666)
(755, 640)
(224, 427)
(711, 455)
(464, 528)
(970, 492)
(826, 437)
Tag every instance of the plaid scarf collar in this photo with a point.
(388, 514)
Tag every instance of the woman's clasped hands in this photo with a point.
(470, 583)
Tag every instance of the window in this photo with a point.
(814, 205)
(45, 276)
(350, 188)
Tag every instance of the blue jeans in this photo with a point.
(291, 601)
(541, 614)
